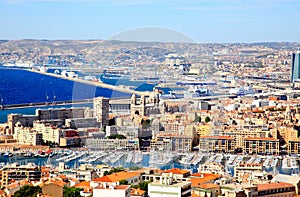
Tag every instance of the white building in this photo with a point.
(25, 135)
(166, 187)
(112, 191)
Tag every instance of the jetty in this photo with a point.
(120, 88)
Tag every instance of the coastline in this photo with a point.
(44, 104)
(97, 84)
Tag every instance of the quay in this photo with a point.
(115, 104)
(15, 147)
(119, 88)
(44, 104)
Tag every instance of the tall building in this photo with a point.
(15, 172)
(101, 108)
(295, 70)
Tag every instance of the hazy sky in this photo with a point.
(201, 20)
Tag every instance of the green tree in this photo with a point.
(146, 122)
(207, 119)
(72, 192)
(116, 136)
(144, 186)
(114, 170)
(197, 119)
(28, 191)
(123, 182)
(134, 167)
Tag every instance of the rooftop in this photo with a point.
(275, 185)
(116, 177)
(218, 137)
(177, 171)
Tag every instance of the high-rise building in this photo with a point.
(295, 70)
(101, 108)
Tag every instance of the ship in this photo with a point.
(242, 91)
(197, 91)
(18, 64)
(70, 74)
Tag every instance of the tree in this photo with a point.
(113, 170)
(134, 167)
(112, 121)
(123, 182)
(28, 191)
(146, 122)
(144, 185)
(197, 119)
(72, 191)
(207, 119)
(116, 136)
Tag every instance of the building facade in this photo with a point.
(166, 187)
(217, 144)
(277, 189)
(16, 172)
(178, 143)
(261, 146)
(295, 67)
(101, 108)
(112, 144)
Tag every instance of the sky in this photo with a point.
(200, 20)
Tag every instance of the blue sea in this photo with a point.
(18, 86)
(22, 86)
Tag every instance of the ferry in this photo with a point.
(242, 91)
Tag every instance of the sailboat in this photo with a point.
(54, 98)
(47, 98)
(1, 102)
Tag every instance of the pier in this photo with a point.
(44, 104)
(119, 88)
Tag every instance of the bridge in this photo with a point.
(119, 88)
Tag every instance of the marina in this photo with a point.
(162, 160)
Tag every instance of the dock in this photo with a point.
(119, 88)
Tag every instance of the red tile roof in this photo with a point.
(218, 137)
(116, 177)
(136, 192)
(203, 178)
(209, 186)
(177, 171)
(276, 185)
(83, 184)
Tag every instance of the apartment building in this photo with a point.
(217, 144)
(261, 146)
(15, 172)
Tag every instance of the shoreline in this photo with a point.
(43, 104)
(124, 89)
